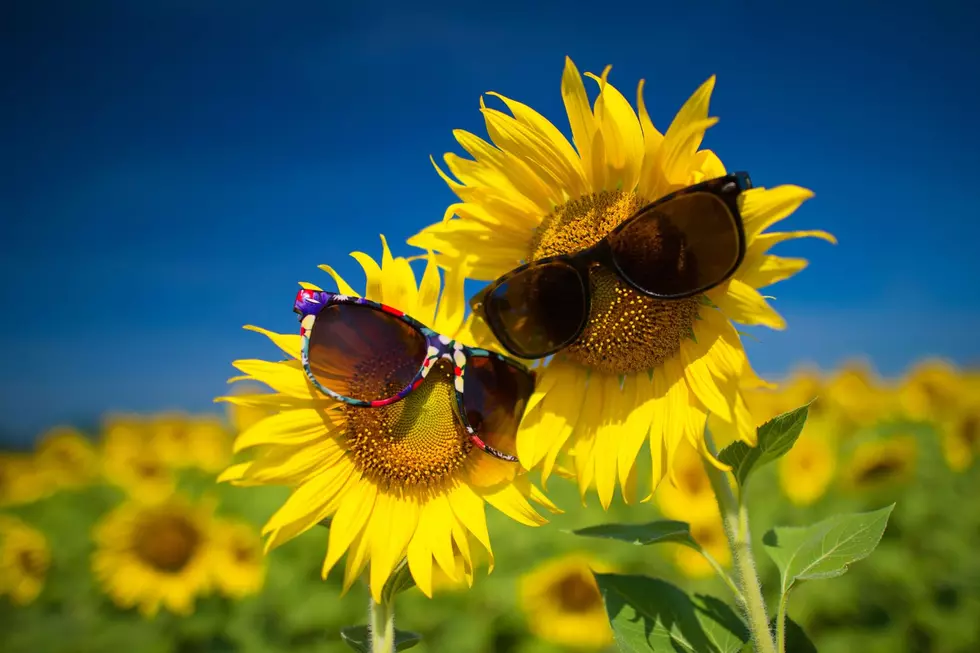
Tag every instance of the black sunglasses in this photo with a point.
(681, 245)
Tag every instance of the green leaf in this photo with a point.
(825, 549)
(400, 580)
(776, 437)
(655, 532)
(358, 638)
(797, 640)
(648, 614)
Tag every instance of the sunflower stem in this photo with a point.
(735, 517)
(382, 631)
(724, 576)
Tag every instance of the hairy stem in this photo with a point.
(736, 520)
(382, 631)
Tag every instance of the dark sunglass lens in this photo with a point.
(364, 353)
(538, 310)
(683, 246)
(494, 396)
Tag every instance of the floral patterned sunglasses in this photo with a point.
(370, 355)
(678, 246)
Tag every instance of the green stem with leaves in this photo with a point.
(736, 520)
(382, 630)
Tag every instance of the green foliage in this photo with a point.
(657, 532)
(359, 639)
(825, 549)
(776, 437)
(649, 614)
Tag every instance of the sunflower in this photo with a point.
(415, 494)
(880, 463)
(709, 533)
(806, 470)
(932, 389)
(688, 495)
(131, 462)
(960, 433)
(150, 556)
(21, 481)
(239, 567)
(643, 368)
(858, 395)
(67, 457)
(24, 560)
(805, 384)
(562, 603)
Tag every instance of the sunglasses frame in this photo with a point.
(727, 189)
(309, 304)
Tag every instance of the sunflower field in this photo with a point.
(118, 537)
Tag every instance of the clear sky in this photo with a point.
(171, 168)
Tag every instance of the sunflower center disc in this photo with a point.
(576, 594)
(31, 563)
(626, 332)
(167, 542)
(880, 470)
(415, 442)
(970, 430)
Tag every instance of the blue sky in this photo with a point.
(172, 168)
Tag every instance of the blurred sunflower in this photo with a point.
(932, 389)
(24, 560)
(806, 470)
(131, 462)
(858, 395)
(960, 433)
(21, 481)
(562, 603)
(67, 458)
(649, 368)
(709, 532)
(413, 495)
(239, 567)
(688, 495)
(150, 556)
(879, 463)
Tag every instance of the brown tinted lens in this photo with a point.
(538, 310)
(494, 396)
(685, 245)
(364, 353)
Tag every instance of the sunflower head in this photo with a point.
(239, 566)
(24, 560)
(933, 389)
(399, 481)
(67, 457)
(152, 556)
(806, 470)
(529, 193)
(21, 479)
(132, 462)
(562, 603)
(960, 433)
(878, 464)
(858, 395)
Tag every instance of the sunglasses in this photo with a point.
(369, 355)
(681, 245)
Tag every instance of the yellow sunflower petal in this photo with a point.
(580, 117)
(621, 134)
(559, 158)
(616, 408)
(399, 287)
(290, 427)
(469, 510)
(291, 344)
(375, 280)
(509, 500)
(429, 288)
(287, 377)
(493, 254)
(392, 523)
(306, 502)
(351, 518)
(764, 207)
(742, 303)
(342, 286)
(638, 388)
(652, 140)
